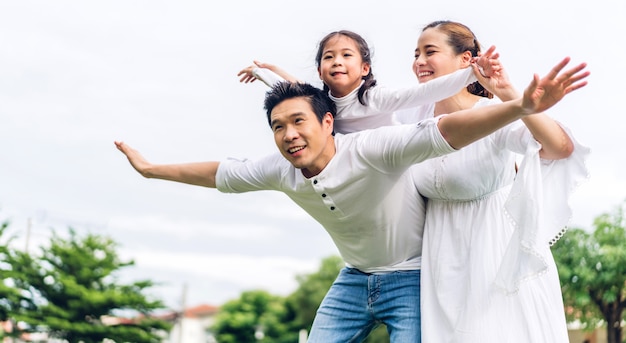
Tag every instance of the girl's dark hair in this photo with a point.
(319, 100)
(366, 56)
(461, 39)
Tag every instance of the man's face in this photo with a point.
(300, 137)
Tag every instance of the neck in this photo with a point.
(322, 160)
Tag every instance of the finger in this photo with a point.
(495, 65)
(535, 82)
(532, 87)
(575, 86)
(478, 72)
(490, 51)
(122, 147)
(570, 72)
(557, 68)
(578, 77)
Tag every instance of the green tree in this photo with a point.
(592, 270)
(256, 316)
(74, 285)
(10, 297)
(8, 294)
(311, 291)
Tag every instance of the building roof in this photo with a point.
(200, 311)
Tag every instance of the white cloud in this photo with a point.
(196, 229)
(243, 270)
(238, 272)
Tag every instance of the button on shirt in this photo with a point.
(363, 198)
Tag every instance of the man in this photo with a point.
(356, 187)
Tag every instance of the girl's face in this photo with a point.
(341, 67)
(434, 57)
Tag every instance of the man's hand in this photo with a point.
(141, 165)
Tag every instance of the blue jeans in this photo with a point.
(358, 302)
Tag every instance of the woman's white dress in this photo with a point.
(487, 271)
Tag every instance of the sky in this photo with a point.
(162, 76)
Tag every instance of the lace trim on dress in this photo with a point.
(539, 211)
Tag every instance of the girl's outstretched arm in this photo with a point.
(270, 74)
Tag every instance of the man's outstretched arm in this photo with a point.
(199, 173)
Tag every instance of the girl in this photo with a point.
(344, 65)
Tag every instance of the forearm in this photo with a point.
(268, 77)
(442, 87)
(506, 94)
(464, 127)
(271, 74)
(540, 95)
(282, 73)
(199, 174)
(555, 143)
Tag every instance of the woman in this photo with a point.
(487, 271)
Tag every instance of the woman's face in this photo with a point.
(434, 57)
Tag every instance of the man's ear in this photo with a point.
(328, 120)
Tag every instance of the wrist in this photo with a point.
(507, 94)
(524, 108)
(517, 108)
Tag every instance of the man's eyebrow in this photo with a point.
(290, 116)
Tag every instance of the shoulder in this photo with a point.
(415, 114)
(265, 166)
